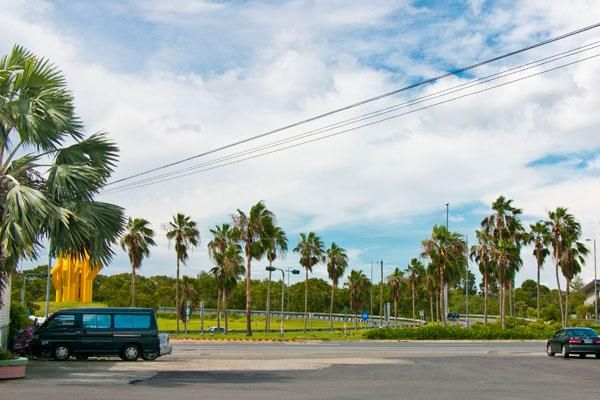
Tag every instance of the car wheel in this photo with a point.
(563, 352)
(61, 352)
(150, 356)
(130, 352)
(549, 351)
(81, 357)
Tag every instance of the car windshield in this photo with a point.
(582, 332)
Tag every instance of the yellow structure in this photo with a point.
(73, 279)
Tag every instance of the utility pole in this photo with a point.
(48, 287)
(371, 286)
(381, 296)
(445, 311)
(467, 282)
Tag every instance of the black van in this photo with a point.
(83, 332)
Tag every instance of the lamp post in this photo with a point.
(595, 283)
(270, 268)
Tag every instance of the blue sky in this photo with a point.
(172, 79)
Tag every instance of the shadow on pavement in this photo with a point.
(178, 378)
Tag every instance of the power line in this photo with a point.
(357, 127)
(376, 113)
(362, 102)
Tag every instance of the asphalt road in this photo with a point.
(345, 370)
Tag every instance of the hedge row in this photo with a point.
(476, 332)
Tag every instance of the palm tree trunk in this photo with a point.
(567, 290)
(395, 312)
(355, 321)
(413, 303)
(305, 300)
(219, 291)
(510, 299)
(485, 298)
(132, 286)
(437, 308)
(442, 301)
(225, 310)
(248, 292)
(538, 292)
(560, 299)
(177, 296)
(331, 307)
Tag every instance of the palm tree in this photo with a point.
(395, 281)
(337, 262)
(481, 253)
(565, 231)
(539, 235)
(570, 265)
(47, 190)
(431, 275)
(224, 250)
(137, 240)
(416, 272)
(447, 250)
(358, 284)
(254, 228)
(310, 248)
(276, 245)
(504, 228)
(185, 234)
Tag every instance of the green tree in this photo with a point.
(254, 228)
(337, 262)
(276, 244)
(395, 281)
(539, 236)
(416, 273)
(447, 250)
(136, 241)
(358, 285)
(184, 232)
(310, 249)
(46, 189)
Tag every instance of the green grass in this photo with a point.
(239, 323)
(290, 336)
(54, 306)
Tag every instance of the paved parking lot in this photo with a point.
(327, 370)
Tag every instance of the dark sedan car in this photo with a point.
(567, 341)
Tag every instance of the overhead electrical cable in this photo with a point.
(428, 97)
(362, 102)
(357, 127)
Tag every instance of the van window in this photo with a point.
(62, 321)
(132, 321)
(96, 321)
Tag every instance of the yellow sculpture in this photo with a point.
(73, 279)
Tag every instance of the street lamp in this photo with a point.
(271, 269)
(595, 283)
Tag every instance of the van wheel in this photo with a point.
(61, 352)
(130, 352)
(150, 356)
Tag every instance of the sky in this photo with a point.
(168, 80)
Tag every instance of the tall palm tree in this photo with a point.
(254, 228)
(565, 231)
(416, 272)
(310, 249)
(447, 250)
(481, 253)
(358, 284)
(136, 240)
(47, 189)
(337, 262)
(225, 251)
(539, 236)
(570, 265)
(504, 228)
(395, 281)
(431, 275)
(276, 244)
(183, 231)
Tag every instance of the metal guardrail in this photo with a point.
(373, 320)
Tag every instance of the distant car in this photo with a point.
(453, 316)
(567, 341)
(216, 329)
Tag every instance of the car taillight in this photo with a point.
(575, 341)
(597, 341)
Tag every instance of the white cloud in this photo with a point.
(467, 151)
